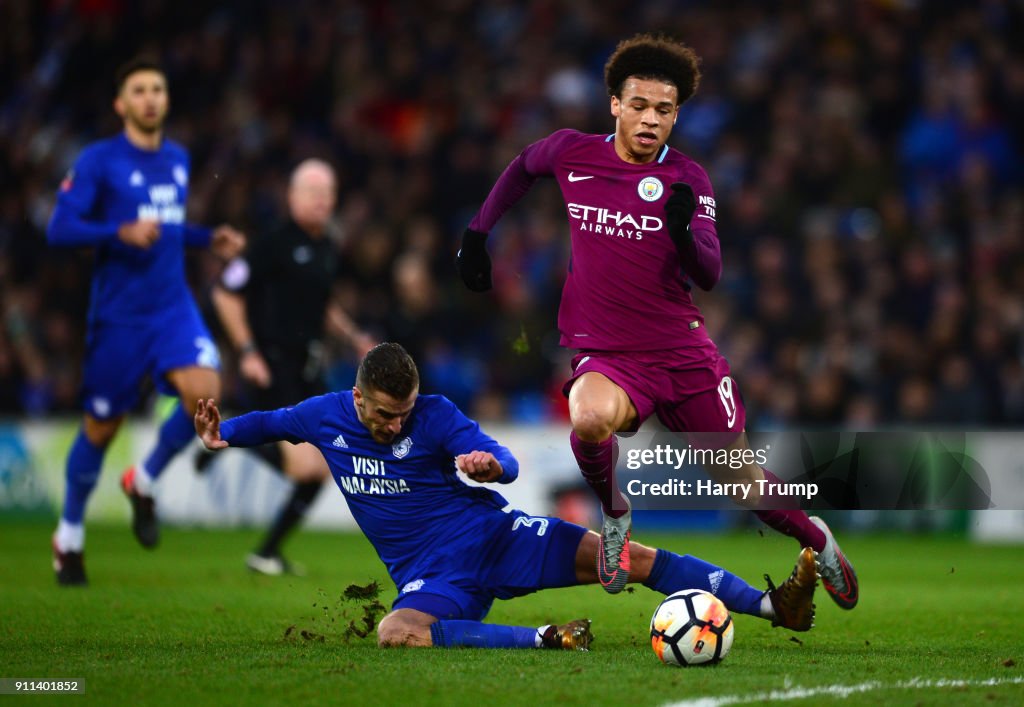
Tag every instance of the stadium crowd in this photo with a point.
(866, 158)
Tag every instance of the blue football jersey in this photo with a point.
(392, 487)
(114, 182)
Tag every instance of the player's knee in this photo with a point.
(307, 476)
(100, 432)
(394, 630)
(190, 400)
(593, 424)
(304, 463)
(193, 383)
(189, 404)
(753, 498)
(387, 633)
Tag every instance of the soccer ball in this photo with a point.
(691, 627)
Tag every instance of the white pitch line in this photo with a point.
(799, 693)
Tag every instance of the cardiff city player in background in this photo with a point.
(642, 222)
(126, 197)
(452, 548)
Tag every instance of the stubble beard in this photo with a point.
(147, 128)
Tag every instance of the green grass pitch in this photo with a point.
(941, 620)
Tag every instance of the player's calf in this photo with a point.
(395, 630)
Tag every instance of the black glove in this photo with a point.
(678, 212)
(473, 262)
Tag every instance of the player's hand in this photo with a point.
(227, 242)
(482, 467)
(473, 262)
(207, 421)
(254, 369)
(678, 213)
(139, 234)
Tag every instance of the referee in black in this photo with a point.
(275, 303)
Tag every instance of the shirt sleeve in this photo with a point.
(702, 262)
(73, 222)
(292, 424)
(537, 160)
(464, 435)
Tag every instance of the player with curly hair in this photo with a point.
(642, 219)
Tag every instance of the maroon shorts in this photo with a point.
(686, 395)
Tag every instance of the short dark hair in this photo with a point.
(133, 65)
(388, 368)
(654, 58)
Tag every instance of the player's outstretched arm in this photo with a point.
(207, 422)
(537, 160)
(482, 467)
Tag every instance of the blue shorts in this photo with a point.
(118, 356)
(520, 555)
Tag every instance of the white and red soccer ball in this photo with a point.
(691, 627)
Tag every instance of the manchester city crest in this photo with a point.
(650, 189)
(401, 448)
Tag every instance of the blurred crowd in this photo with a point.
(866, 158)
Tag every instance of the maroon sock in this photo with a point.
(793, 523)
(597, 464)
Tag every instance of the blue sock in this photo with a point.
(83, 469)
(176, 432)
(672, 573)
(474, 634)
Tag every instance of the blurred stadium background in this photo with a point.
(866, 158)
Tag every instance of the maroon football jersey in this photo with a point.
(627, 288)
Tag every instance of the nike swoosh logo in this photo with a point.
(574, 178)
